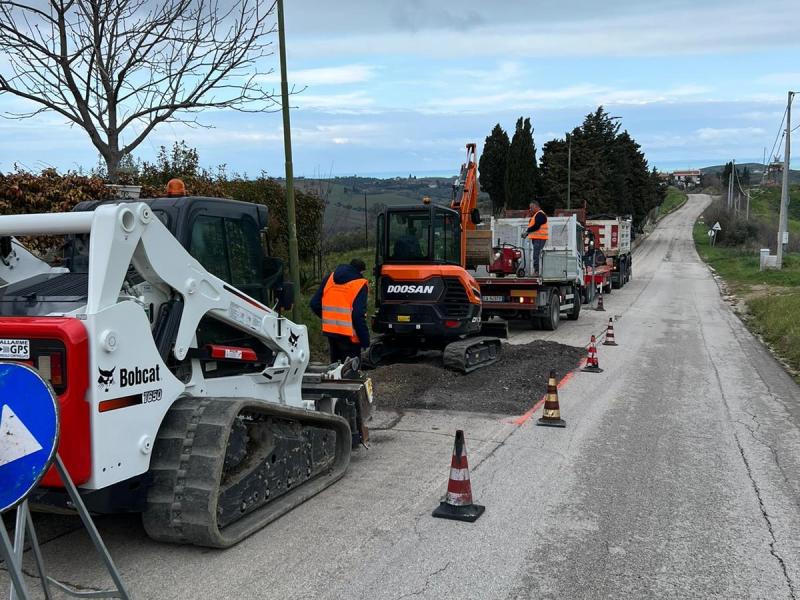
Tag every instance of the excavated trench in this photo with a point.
(509, 387)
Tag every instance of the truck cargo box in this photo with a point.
(612, 236)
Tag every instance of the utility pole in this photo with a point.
(730, 187)
(366, 223)
(294, 258)
(782, 222)
(569, 171)
(747, 214)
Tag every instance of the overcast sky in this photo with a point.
(399, 86)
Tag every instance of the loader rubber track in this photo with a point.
(223, 468)
(470, 354)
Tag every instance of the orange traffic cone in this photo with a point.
(610, 341)
(551, 415)
(600, 301)
(457, 504)
(592, 364)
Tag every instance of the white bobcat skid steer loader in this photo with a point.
(181, 396)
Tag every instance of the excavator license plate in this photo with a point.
(403, 318)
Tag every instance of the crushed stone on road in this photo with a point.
(510, 386)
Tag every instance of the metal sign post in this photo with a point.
(29, 428)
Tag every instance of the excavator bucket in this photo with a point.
(495, 328)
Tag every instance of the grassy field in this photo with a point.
(765, 204)
(674, 200)
(772, 297)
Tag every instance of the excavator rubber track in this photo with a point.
(223, 468)
(472, 353)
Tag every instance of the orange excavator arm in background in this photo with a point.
(465, 197)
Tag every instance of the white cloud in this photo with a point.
(581, 94)
(341, 75)
(346, 103)
(787, 80)
(661, 31)
(728, 134)
(761, 115)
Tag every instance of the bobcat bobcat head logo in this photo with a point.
(106, 378)
(293, 339)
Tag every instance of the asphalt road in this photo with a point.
(678, 476)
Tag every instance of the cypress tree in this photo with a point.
(492, 167)
(521, 172)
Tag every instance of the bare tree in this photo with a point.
(119, 68)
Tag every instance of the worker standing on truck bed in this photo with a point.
(341, 303)
(537, 232)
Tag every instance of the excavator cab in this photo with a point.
(428, 234)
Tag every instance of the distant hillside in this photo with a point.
(344, 197)
(756, 170)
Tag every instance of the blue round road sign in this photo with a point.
(28, 432)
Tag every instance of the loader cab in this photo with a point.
(427, 234)
(228, 237)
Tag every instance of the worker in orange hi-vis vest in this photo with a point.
(341, 303)
(537, 232)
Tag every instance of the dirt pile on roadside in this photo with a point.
(510, 386)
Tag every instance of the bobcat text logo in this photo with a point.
(410, 289)
(137, 376)
(293, 338)
(106, 379)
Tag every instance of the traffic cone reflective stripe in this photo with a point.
(551, 415)
(457, 503)
(592, 363)
(610, 341)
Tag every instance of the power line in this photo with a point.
(781, 133)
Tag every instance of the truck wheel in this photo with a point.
(620, 275)
(630, 270)
(550, 322)
(588, 293)
(576, 304)
(607, 287)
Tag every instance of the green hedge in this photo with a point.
(49, 191)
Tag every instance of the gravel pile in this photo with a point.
(510, 386)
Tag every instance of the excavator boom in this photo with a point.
(465, 198)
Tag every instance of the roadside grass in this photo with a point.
(772, 297)
(739, 267)
(673, 201)
(775, 318)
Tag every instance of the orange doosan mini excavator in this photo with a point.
(425, 298)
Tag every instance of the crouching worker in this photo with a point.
(341, 303)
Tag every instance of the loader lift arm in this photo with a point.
(227, 453)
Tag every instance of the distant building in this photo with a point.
(688, 178)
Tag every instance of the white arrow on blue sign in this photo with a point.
(28, 432)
